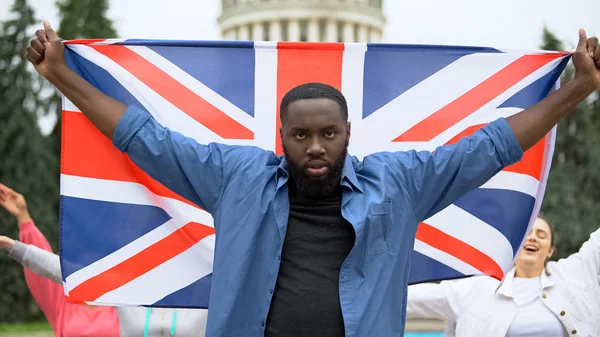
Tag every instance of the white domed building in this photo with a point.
(302, 20)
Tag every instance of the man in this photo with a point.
(314, 243)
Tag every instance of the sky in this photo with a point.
(505, 24)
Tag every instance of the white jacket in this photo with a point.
(482, 306)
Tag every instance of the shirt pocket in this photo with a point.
(378, 223)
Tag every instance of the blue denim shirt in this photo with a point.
(384, 197)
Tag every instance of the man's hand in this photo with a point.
(46, 51)
(47, 54)
(587, 60)
(6, 243)
(14, 203)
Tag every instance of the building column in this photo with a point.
(275, 31)
(374, 35)
(331, 31)
(293, 30)
(348, 32)
(313, 30)
(258, 33)
(363, 33)
(229, 34)
(244, 33)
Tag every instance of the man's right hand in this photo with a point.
(14, 203)
(46, 51)
(47, 54)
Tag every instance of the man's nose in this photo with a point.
(315, 148)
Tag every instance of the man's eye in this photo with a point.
(300, 136)
(329, 134)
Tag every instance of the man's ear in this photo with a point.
(348, 131)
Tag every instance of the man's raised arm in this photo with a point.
(46, 52)
(433, 180)
(197, 172)
(535, 122)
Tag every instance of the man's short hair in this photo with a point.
(312, 90)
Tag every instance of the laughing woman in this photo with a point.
(536, 298)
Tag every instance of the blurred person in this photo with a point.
(537, 297)
(44, 280)
(67, 319)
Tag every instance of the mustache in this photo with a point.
(316, 163)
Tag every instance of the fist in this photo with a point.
(6, 243)
(46, 52)
(587, 60)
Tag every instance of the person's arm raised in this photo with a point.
(534, 123)
(46, 53)
(197, 172)
(434, 180)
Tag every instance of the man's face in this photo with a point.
(315, 140)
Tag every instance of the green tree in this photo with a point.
(79, 19)
(27, 162)
(84, 19)
(573, 189)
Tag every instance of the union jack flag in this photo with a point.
(128, 240)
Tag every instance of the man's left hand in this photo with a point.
(587, 61)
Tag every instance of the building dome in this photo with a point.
(302, 20)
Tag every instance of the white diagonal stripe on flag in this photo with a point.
(445, 258)
(167, 114)
(429, 96)
(130, 193)
(195, 86)
(166, 278)
(512, 181)
(462, 225)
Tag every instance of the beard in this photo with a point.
(317, 187)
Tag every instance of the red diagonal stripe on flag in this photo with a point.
(141, 263)
(459, 249)
(475, 98)
(176, 93)
(531, 163)
(84, 41)
(88, 153)
(299, 63)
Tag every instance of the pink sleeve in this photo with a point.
(48, 294)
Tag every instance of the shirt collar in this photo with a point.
(348, 172)
(505, 287)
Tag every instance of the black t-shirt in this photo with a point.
(306, 299)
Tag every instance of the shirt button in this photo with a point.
(262, 323)
(279, 257)
(270, 291)
(543, 295)
(574, 332)
(562, 313)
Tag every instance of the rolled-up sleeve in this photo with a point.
(508, 148)
(434, 180)
(133, 120)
